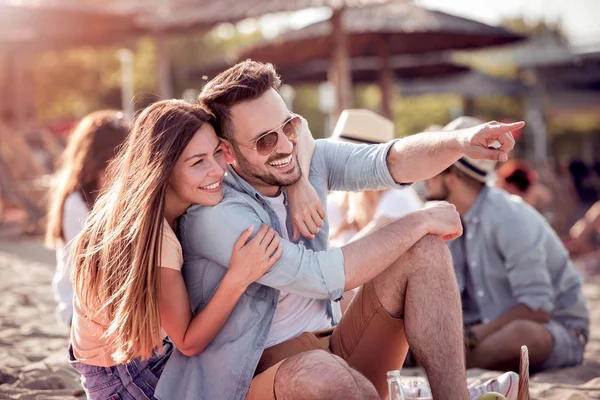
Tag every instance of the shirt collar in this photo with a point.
(238, 183)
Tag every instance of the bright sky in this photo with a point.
(580, 18)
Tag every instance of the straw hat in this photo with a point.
(363, 126)
(480, 170)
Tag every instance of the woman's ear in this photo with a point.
(227, 150)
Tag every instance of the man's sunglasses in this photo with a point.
(266, 143)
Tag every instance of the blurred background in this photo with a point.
(419, 63)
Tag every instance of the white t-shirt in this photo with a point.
(75, 212)
(394, 203)
(294, 314)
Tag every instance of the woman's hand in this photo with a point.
(306, 211)
(252, 258)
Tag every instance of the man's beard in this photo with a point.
(257, 175)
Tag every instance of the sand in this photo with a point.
(33, 362)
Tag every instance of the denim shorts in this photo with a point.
(133, 381)
(569, 346)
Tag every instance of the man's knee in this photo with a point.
(317, 374)
(430, 255)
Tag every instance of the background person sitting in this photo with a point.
(518, 177)
(90, 147)
(518, 285)
(354, 214)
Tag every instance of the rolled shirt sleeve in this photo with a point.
(525, 260)
(211, 232)
(356, 167)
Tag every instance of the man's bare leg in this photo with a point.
(421, 288)
(502, 349)
(316, 375)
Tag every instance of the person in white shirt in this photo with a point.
(353, 215)
(91, 146)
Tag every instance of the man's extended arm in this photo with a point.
(422, 156)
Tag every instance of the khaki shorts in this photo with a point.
(367, 337)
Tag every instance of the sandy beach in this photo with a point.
(33, 363)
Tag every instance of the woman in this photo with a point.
(127, 277)
(517, 177)
(90, 147)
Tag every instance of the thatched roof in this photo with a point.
(24, 27)
(580, 72)
(364, 70)
(184, 14)
(470, 84)
(57, 23)
(407, 28)
(204, 13)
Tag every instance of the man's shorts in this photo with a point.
(568, 348)
(367, 337)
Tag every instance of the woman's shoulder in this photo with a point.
(75, 201)
(171, 254)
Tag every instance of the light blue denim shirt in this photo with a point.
(309, 268)
(514, 257)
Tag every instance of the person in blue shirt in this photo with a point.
(286, 337)
(517, 282)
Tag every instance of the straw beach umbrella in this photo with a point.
(364, 70)
(380, 30)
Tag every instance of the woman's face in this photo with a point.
(198, 174)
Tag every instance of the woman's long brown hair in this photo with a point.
(116, 259)
(91, 145)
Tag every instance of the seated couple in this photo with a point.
(254, 312)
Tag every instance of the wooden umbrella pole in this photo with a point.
(341, 62)
(386, 77)
(524, 375)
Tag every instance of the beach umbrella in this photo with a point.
(363, 70)
(39, 27)
(379, 30)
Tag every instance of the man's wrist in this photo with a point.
(471, 340)
(457, 141)
(422, 220)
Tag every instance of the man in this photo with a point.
(517, 282)
(280, 341)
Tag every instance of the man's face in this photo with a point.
(252, 119)
(436, 189)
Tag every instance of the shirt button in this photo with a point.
(301, 242)
(486, 320)
(480, 293)
(475, 220)
(473, 264)
(469, 236)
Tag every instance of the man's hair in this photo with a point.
(247, 80)
(469, 181)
